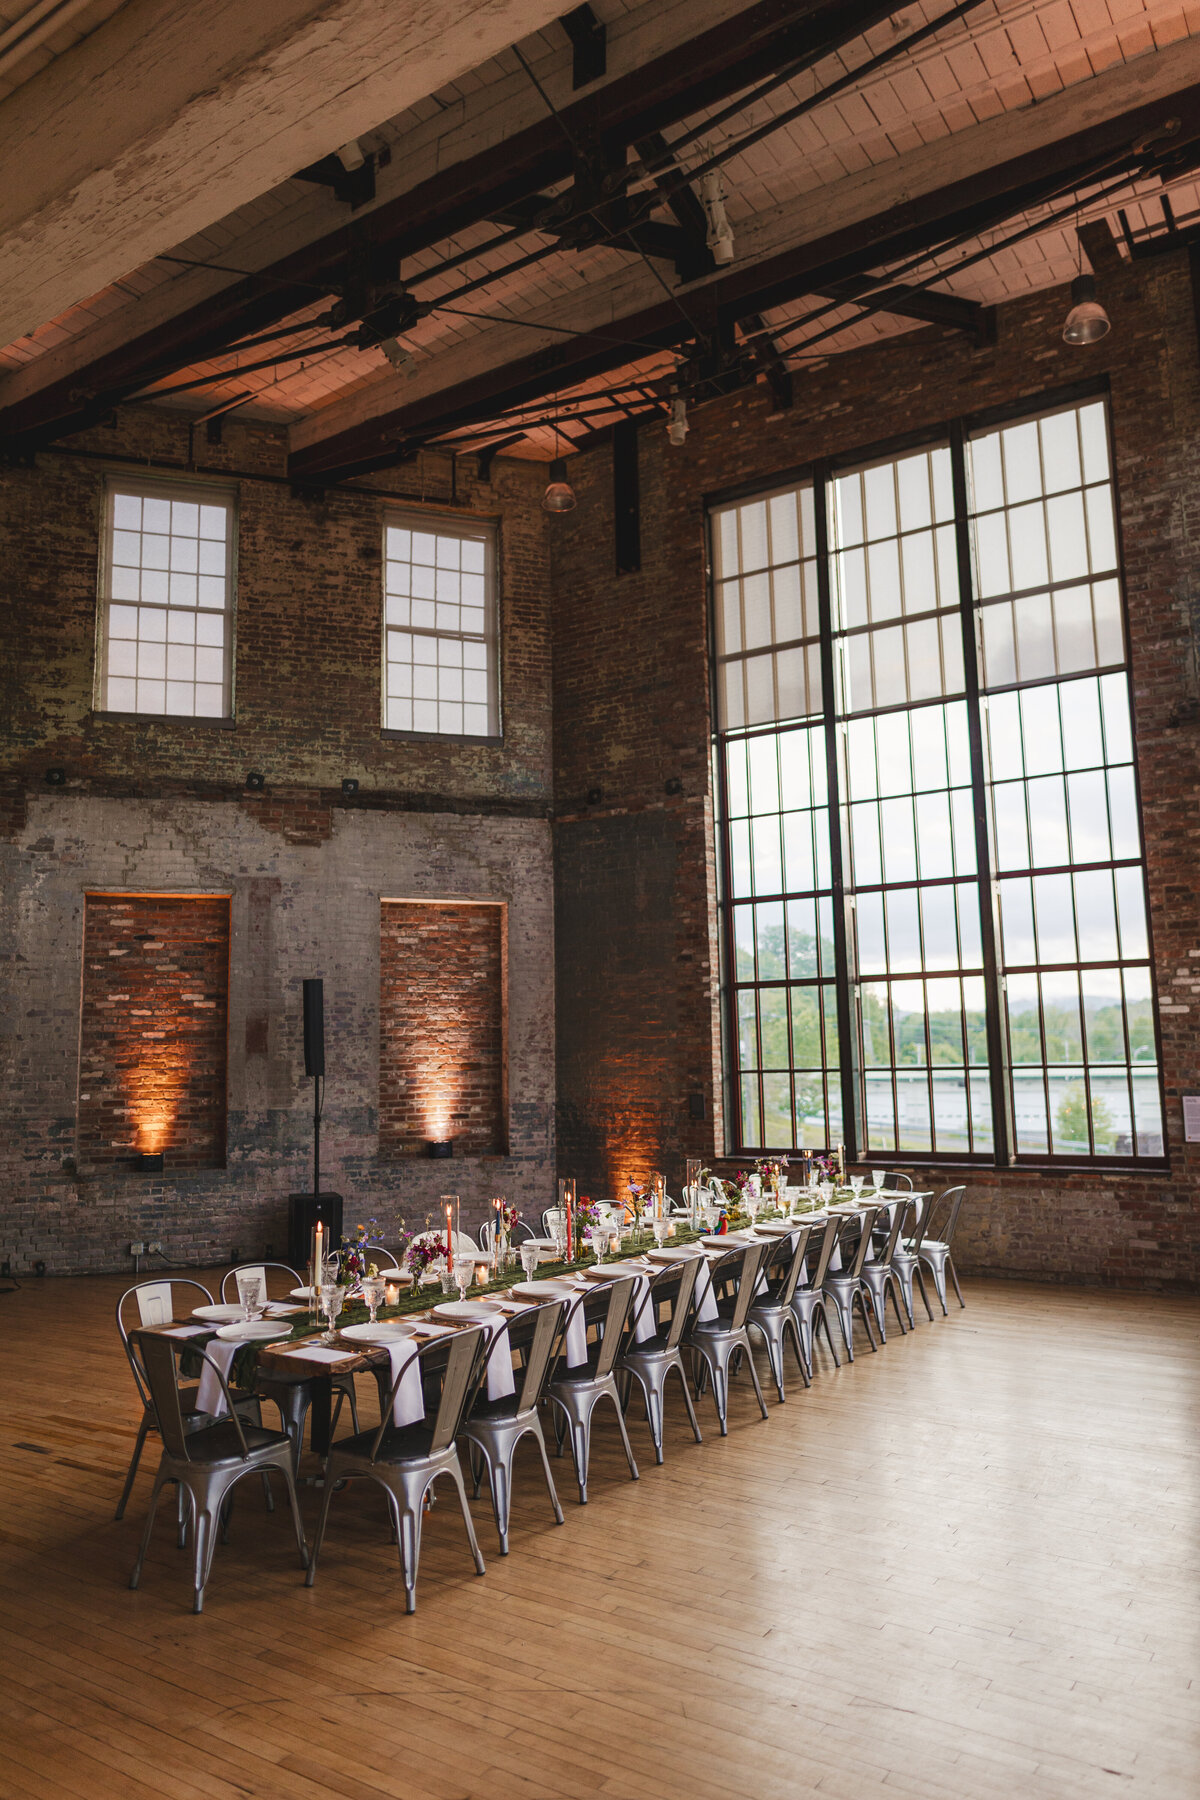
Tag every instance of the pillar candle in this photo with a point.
(449, 1238)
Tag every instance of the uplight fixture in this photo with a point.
(677, 424)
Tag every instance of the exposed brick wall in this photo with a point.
(635, 920)
(152, 1038)
(441, 1027)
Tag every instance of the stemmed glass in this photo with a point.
(878, 1177)
(373, 1291)
(711, 1216)
(661, 1229)
(333, 1298)
(464, 1267)
(597, 1238)
(251, 1296)
(529, 1258)
(752, 1203)
(856, 1182)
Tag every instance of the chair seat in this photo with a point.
(647, 1347)
(507, 1407)
(718, 1327)
(219, 1443)
(408, 1443)
(565, 1375)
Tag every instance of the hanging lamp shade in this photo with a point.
(1087, 322)
(559, 496)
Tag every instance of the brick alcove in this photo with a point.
(153, 1029)
(442, 991)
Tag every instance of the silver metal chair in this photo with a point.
(155, 1306)
(771, 1314)
(494, 1428)
(406, 1461)
(808, 1300)
(846, 1287)
(206, 1462)
(576, 1392)
(229, 1287)
(721, 1343)
(879, 1271)
(651, 1360)
(936, 1241)
(906, 1260)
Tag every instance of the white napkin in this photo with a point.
(318, 1353)
(646, 1324)
(706, 1300)
(576, 1350)
(209, 1397)
(187, 1331)
(409, 1405)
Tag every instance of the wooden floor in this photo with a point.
(966, 1566)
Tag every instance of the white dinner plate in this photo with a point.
(217, 1315)
(387, 1331)
(304, 1293)
(607, 1272)
(733, 1240)
(777, 1229)
(465, 1309)
(253, 1331)
(680, 1254)
(541, 1290)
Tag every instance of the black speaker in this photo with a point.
(314, 1027)
(303, 1212)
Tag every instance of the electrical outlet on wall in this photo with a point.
(154, 1249)
(137, 1249)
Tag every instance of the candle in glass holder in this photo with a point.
(392, 1293)
(482, 1274)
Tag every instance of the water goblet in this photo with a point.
(712, 1217)
(464, 1268)
(529, 1258)
(372, 1292)
(856, 1182)
(597, 1238)
(662, 1229)
(333, 1298)
(878, 1177)
(752, 1204)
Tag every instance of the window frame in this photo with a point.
(202, 492)
(459, 525)
(956, 434)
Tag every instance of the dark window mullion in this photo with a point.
(1003, 1122)
(849, 1060)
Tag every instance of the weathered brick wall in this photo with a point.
(441, 1028)
(635, 924)
(161, 806)
(152, 1029)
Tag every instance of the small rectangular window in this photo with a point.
(166, 602)
(440, 627)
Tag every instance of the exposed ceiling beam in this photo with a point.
(654, 93)
(1061, 141)
(108, 139)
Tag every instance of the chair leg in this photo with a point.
(789, 1325)
(550, 1487)
(628, 1447)
(954, 1279)
(181, 1515)
(938, 1272)
(476, 1464)
(866, 1319)
(322, 1520)
(289, 1480)
(353, 1399)
(135, 1578)
(846, 1326)
(774, 1347)
(455, 1473)
(143, 1428)
(270, 1498)
(891, 1289)
(410, 1549)
(762, 1405)
(653, 1401)
(205, 1543)
(920, 1281)
(500, 1481)
(824, 1313)
(693, 1421)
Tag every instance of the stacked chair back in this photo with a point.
(615, 1321)
(539, 1354)
(791, 1280)
(864, 1242)
(465, 1357)
(830, 1232)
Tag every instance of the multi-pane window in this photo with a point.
(440, 635)
(1066, 841)
(976, 879)
(166, 602)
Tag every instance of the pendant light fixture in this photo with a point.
(1087, 322)
(677, 424)
(559, 496)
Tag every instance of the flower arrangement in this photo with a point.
(424, 1253)
(587, 1216)
(637, 1201)
(354, 1258)
(825, 1168)
(506, 1215)
(772, 1170)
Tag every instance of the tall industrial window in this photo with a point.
(933, 893)
(166, 602)
(440, 628)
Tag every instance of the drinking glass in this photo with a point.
(251, 1296)
(333, 1298)
(856, 1182)
(529, 1258)
(662, 1229)
(373, 1292)
(712, 1217)
(878, 1177)
(827, 1191)
(597, 1238)
(464, 1268)
(752, 1204)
